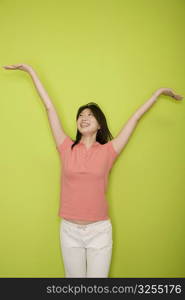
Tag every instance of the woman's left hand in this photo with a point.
(169, 92)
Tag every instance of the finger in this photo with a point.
(178, 97)
(14, 66)
(7, 67)
(10, 67)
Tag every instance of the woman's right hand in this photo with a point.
(23, 67)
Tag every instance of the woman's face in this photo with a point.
(86, 122)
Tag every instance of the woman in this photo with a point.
(85, 228)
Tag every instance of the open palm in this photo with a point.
(170, 92)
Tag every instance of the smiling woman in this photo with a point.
(86, 228)
(86, 118)
(91, 125)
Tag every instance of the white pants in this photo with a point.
(86, 249)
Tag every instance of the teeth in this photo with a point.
(84, 125)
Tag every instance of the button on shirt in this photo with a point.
(84, 177)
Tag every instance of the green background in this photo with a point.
(115, 53)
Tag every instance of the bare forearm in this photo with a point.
(53, 117)
(41, 90)
(146, 106)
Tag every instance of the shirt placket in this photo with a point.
(85, 156)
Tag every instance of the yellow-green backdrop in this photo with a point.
(115, 53)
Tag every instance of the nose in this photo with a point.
(85, 120)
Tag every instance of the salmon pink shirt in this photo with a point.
(84, 180)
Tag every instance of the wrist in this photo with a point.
(158, 93)
(30, 70)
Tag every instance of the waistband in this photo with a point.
(90, 225)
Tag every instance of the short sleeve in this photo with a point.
(112, 154)
(65, 145)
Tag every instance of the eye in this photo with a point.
(88, 114)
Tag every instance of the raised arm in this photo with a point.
(123, 136)
(55, 124)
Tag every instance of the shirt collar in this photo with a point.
(95, 143)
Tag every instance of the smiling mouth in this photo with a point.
(84, 125)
